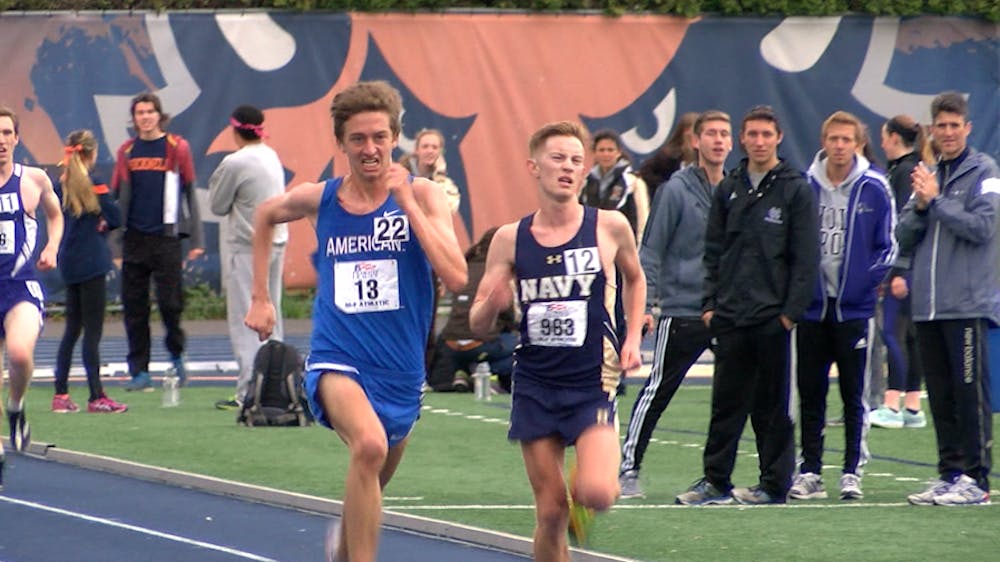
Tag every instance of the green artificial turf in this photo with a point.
(460, 467)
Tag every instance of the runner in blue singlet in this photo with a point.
(380, 233)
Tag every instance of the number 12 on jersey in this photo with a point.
(582, 260)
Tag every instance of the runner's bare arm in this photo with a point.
(49, 202)
(425, 204)
(301, 201)
(634, 290)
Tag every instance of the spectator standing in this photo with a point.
(89, 214)
(673, 155)
(761, 260)
(611, 183)
(856, 218)
(949, 227)
(672, 254)
(154, 178)
(905, 145)
(244, 180)
(427, 161)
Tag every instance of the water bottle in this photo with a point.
(171, 389)
(481, 381)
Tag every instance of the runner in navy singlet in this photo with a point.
(380, 232)
(23, 191)
(566, 261)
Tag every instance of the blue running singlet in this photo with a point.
(18, 232)
(375, 293)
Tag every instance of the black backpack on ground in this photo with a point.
(275, 395)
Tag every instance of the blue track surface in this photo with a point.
(51, 511)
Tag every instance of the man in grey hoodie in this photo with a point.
(243, 180)
(949, 226)
(671, 256)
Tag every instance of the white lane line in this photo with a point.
(137, 529)
(621, 507)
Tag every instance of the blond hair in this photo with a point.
(557, 129)
(78, 189)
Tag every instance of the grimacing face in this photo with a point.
(368, 144)
(558, 165)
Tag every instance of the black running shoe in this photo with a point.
(20, 431)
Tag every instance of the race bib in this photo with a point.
(6, 237)
(557, 324)
(366, 286)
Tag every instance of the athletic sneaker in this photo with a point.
(461, 381)
(964, 491)
(914, 421)
(703, 492)
(20, 431)
(140, 382)
(936, 488)
(105, 405)
(754, 495)
(63, 404)
(887, 418)
(628, 481)
(180, 370)
(850, 487)
(230, 403)
(581, 519)
(332, 542)
(807, 486)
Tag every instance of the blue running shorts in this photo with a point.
(397, 408)
(13, 293)
(539, 410)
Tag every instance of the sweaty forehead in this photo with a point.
(6, 124)
(367, 121)
(564, 144)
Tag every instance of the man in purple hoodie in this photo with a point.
(856, 217)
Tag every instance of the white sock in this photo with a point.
(15, 408)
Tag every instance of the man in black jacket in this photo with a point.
(761, 262)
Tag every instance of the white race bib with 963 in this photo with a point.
(558, 323)
(366, 286)
(6, 237)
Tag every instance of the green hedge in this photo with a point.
(988, 9)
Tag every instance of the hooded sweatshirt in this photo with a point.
(856, 220)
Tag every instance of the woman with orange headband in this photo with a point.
(90, 212)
